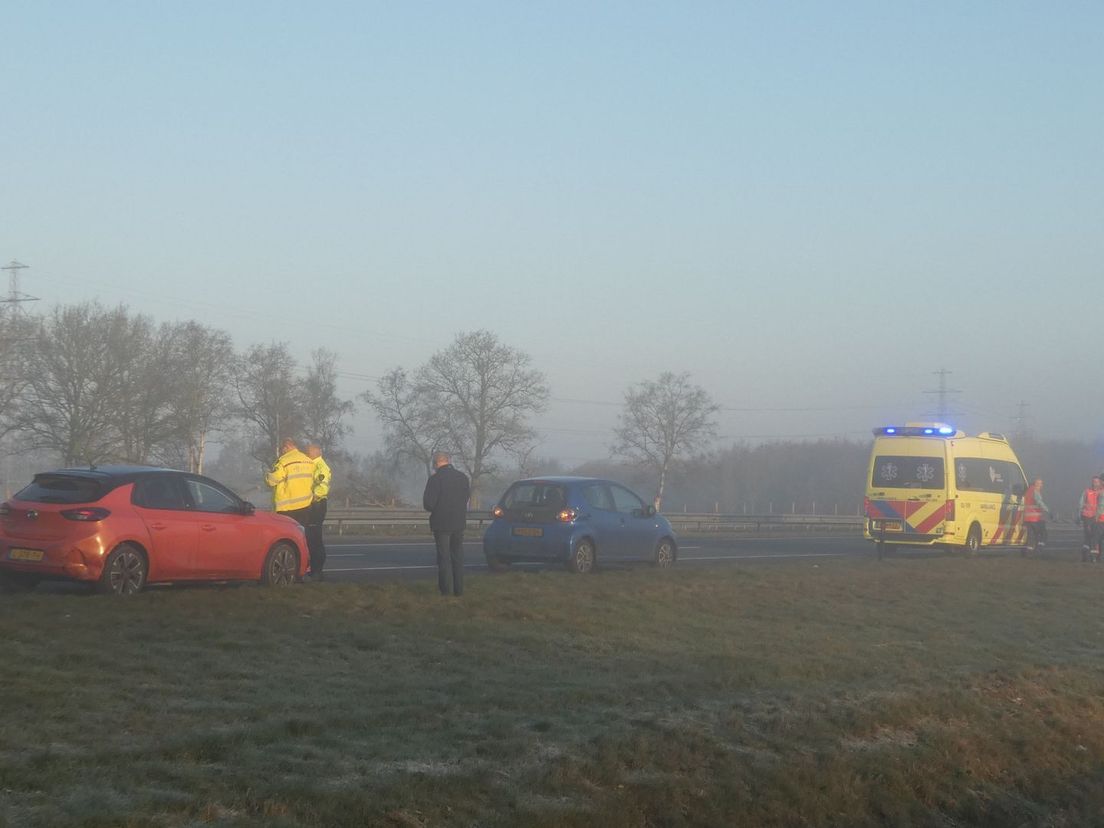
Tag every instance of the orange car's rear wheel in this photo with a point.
(124, 572)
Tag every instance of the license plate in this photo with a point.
(887, 525)
(17, 554)
(528, 531)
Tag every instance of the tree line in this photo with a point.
(85, 384)
(90, 385)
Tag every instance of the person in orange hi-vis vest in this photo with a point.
(1090, 543)
(1035, 516)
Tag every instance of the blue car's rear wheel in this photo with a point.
(664, 553)
(582, 558)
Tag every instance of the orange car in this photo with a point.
(121, 527)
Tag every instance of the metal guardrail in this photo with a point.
(710, 522)
(351, 520)
(344, 520)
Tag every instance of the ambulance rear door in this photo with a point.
(908, 489)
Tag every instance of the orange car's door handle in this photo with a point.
(207, 527)
(158, 526)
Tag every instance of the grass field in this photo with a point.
(916, 691)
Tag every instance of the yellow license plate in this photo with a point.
(16, 554)
(528, 531)
(887, 525)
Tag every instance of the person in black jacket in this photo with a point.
(446, 499)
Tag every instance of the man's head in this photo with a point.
(1096, 484)
(288, 444)
(440, 458)
(1038, 482)
(314, 451)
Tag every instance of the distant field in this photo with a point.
(917, 691)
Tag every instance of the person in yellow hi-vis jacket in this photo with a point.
(292, 482)
(316, 542)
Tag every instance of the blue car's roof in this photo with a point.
(563, 478)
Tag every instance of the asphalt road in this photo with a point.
(365, 560)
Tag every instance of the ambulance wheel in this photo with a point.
(973, 540)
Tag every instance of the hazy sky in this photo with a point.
(809, 206)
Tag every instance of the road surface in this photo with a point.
(363, 560)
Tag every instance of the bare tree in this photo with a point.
(73, 384)
(146, 379)
(323, 411)
(17, 338)
(372, 481)
(662, 421)
(203, 367)
(481, 394)
(234, 464)
(412, 428)
(268, 398)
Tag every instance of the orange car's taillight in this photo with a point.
(90, 514)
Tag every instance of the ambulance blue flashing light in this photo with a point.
(917, 431)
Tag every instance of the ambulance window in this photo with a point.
(976, 474)
(895, 472)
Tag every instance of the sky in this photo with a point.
(811, 207)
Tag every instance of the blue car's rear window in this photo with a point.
(535, 495)
(61, 488)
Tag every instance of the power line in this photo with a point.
(1019, 430)
(943, 391)
(15, 296)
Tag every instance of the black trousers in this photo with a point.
(450, 560)
(1036, 533)
(316, 542)
(300, 516)
(1089, 533)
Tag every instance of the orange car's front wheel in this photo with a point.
(281, 566)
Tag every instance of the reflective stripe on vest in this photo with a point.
(1032, 513)
(291, 483)
(1089, 509)
(321, 479)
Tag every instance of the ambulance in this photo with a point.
(929, 485)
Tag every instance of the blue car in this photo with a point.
(577, 521)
